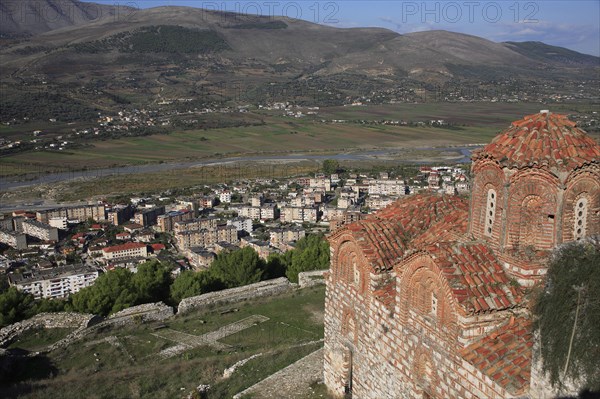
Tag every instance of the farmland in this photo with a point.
(466, 123)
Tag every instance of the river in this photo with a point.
(15, 182)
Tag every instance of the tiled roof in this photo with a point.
(545, 140)
(386, 235)
(124, 247)
(437, 225)
(504, 355)
(476, 278)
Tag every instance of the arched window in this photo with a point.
(490, 212)
(434, 305)
(355, 271)
(580, 211)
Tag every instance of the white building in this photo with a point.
(59, 223)
(225, 196)
(40, 230)
(241, 223)
(14, 239)
(386, 187)
(58, 282)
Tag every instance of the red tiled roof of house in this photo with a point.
(385, 235)
(158, 247)
(124, 247)
(504, 355)
(545, 140)
(476, 278)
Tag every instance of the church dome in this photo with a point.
(543, 140)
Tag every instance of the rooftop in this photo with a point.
(504, 355)
(543, 140)
(124, 247)
(47, 274)
(385, 236)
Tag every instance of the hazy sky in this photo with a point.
(571, 24)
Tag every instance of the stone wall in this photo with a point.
(85, 324)
(147, 312)
(264, 288)
(310, 279)
(44, 320)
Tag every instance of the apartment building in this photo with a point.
(73, 213)
(386, 187)
(196, 224)
(375, 202)
(13, 238)
(200, 258)
(279, 238)
(292, 214)
(57, 282)
(167, 221)
(61, 223)
(149, 217)
(40, 230)
(120, 214)
(241, 224)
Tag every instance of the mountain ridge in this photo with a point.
(184, 52)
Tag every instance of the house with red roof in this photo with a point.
(425, 298)
(127, 250)
(124, 236)
(156, 248)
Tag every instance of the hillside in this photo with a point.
(22, 18)
(169, 359)
(141, 59)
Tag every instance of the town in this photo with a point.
(55, 252)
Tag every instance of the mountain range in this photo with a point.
(165, 52)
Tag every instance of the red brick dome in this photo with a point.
(545, 140)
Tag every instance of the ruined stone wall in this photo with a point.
(310, 279)
(147, 312)
(261, 289)
(44, 320)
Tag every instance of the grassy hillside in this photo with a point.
(125, 362)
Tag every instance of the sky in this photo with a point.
(571, 24)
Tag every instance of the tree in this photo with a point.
(277, 265)
(15, 306)
(330, 166)
(191, 283)
(152, 282)
(311, 253)
(112, 292)
(237, 268)
(567, 315)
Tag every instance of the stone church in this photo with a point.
(426, 298)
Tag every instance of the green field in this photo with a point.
(123, 362)
(472, 123)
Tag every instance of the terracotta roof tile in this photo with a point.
(504, 355)
(479, 282)
(545, 140)
(385, 236)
